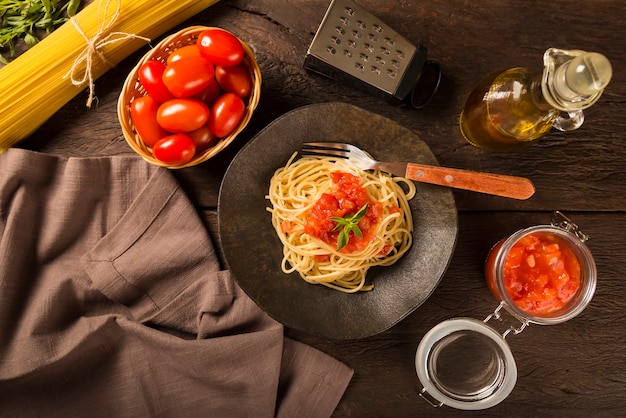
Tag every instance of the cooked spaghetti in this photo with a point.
(311, 194)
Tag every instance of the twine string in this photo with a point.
(101, 39)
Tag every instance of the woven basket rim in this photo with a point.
(132, 89)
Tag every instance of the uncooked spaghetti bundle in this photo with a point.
(44, 78)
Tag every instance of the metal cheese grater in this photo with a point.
(353, 46)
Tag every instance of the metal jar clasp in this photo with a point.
(561, 221)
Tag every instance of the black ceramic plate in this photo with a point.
(253, 251)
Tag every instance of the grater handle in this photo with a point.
(426, 85)
(494, 184)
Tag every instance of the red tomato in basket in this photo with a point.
(188, 76)
(175, 149)
(210, 94)
(226, 114)
(183, 51)
(220, 47)
(203, 138)
(235, 79)
(143, 113)
(182, 115)
(151, 78)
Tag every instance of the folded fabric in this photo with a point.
(113, 303)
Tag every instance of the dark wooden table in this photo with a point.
(575, 369)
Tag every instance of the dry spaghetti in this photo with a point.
(296, 193)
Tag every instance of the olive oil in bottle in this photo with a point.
(512, 109)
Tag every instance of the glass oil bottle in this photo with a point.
(512, 109)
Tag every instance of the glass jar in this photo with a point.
(465, 363)
(578, 264)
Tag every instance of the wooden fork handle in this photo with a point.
(494, 184)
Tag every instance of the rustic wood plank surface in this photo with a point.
(575, 369)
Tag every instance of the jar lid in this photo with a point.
(465, 364)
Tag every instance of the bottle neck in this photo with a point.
(574, 80)
(537, 95)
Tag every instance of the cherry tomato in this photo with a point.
(174, 149)
(151, 78)
(182, 115)
(143, 113)
(210, 94)
(235, 79)
(220, 47)
(188, 76)
(203, 138)
(183, 51)
(226, 113)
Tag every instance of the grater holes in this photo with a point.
(354, 43)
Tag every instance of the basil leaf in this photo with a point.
(360, 214)
(347, 225)
(342, 239)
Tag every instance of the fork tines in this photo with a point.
(334, 149)
(333, 145)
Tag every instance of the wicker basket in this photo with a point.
(132, 89)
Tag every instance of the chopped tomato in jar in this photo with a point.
(541, 274)
(345, 197)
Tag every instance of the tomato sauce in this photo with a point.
(345, 197)
(541, 274)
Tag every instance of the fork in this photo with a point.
(495, 184)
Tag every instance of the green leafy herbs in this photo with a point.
(347, 225)
(23, 19)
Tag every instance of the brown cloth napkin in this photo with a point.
(113, 304)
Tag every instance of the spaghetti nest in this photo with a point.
(293, 193)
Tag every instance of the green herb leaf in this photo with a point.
(47, 7)
(72, 7)
(341, 222)
(360, 214)
(23, 19)
(348, 224)
(342, 239)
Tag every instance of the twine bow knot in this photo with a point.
(94, 45)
